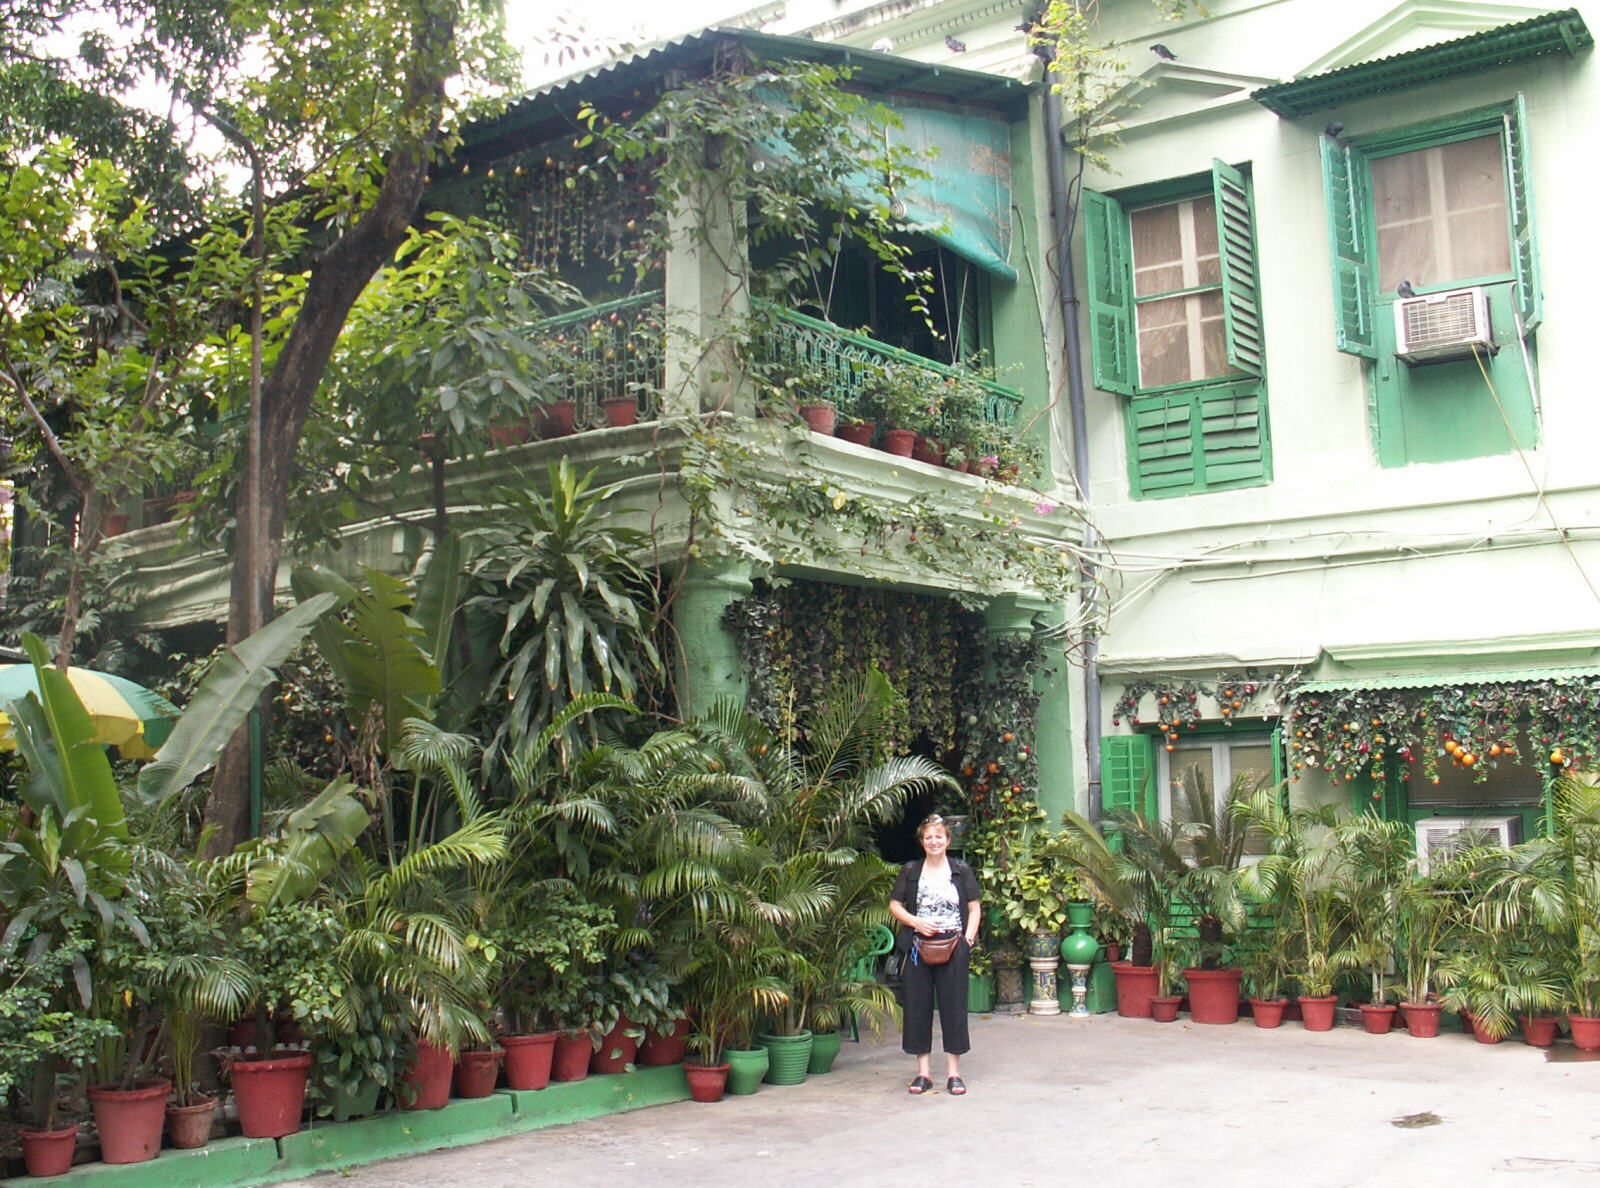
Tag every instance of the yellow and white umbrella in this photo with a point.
(126, 715)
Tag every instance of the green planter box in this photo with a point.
(1102, 996)
(980, 993)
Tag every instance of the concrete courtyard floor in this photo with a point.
(1102, 1100)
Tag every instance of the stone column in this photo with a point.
(709, 663)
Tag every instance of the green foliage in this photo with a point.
(41, 1033)
(801, 640)
(570, 595)
(788, 141)
(541, 945)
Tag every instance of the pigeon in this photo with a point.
(883, 45)
(1405, 289)
(1332, 130)
(954, 46)
(1163, 52)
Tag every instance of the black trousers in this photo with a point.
(919, 983)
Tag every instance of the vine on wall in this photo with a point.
(800, 639)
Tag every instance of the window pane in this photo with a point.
(1255, 762)
(1182, 339)
(1175, 247)
(1440, 214)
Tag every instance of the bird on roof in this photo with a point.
(1405, 289)
(883, 45)
(1332, 130)
(1163, 52)
(954, 46)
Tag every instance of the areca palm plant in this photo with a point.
(1294, 882)
(1549, 893)
(804, 878)
(1374, 863)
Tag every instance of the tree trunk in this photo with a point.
(337, 281)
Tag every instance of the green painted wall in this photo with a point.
(1445, 412)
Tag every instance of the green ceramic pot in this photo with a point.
(788, 1057)
(746, 1067)
(980, 993)
(824, 1049)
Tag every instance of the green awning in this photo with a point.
(1561, 32)
(964, 202)
(1505, 676)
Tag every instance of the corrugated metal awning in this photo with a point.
(1504, 676)
(1505, 45)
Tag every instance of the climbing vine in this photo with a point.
(800, 639)
(1179, 706)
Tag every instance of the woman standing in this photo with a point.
(935, 896)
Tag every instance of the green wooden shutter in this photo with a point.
(1344, 183)
(1232, 441)
(1241, 307)
(1109, 253)
(1162, 445)
(1128, 774)
(1519, 197)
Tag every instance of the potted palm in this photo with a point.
(1546, 896)
(1373, 863)
(1212, 838)
(1431, 914)
(1295, 879)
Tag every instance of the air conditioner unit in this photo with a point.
(1442, 835)
(1440, 326)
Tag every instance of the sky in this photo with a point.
(603, 21)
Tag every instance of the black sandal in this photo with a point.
(955, 1087)
(920, 1086)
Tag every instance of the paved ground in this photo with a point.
(1122, 1102)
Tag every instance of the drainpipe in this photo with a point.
(1067, 296)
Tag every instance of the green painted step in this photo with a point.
(219, 1162)
(327, 1146)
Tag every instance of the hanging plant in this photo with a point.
(1476, 726)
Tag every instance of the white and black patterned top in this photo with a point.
(937, 900)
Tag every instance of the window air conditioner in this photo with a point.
(1442, 835)
(1447, 325)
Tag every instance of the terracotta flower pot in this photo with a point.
(116, 523)
(819, 418)
(190, 1126)
(707, 1082)
(271, 1093)
(558, 418)
(571, 1059)
(1585, 1032)
(1422, 1018)
(426, 1084)
(899, 442)
(1136, 986)
(661, 1048)
(928, 449)
(1538, 1031)
(1164, 1007)
(527, 1059)
(1479, 1032)
(1213, 995)
(1377, 1019)
(856, 432)
(477, 1072)
(1268, 1012)
(620, 411)
(129, 1120)
(1316, 1011)
(503, 436)
(49, 1152)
